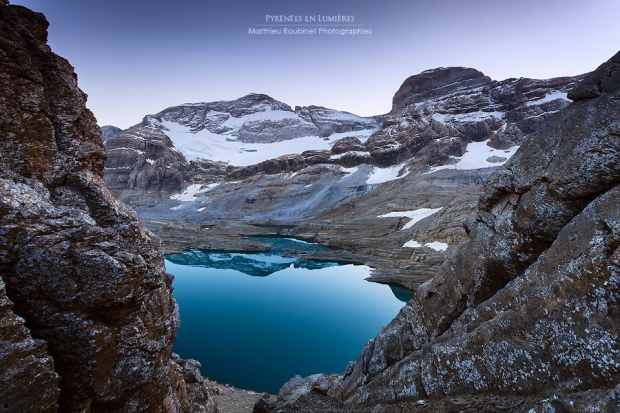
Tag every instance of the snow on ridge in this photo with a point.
(436, 245)
(340, 155)
(414, 216)
(476, 155)
(381, 175)
(362, 135)
(340, 115)
(466, 117)
(549, 98)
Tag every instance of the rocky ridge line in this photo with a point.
(528, 305)
(434, 116)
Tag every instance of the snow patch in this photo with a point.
(362, 135)
(414, 216)
(475, 157)
(437, 246)
(358, 153)
(381, 175)
(188, 194)
(549, 98)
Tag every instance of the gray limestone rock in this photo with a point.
(109, 131)
(93, 312)
(527, 305)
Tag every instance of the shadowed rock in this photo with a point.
(85, 277)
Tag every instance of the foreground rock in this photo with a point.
(93, 319)
(527, 306)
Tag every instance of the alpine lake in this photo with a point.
(256, 320)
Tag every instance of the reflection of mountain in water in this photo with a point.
(259, 265)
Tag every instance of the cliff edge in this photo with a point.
(87, 319)
(529, 305)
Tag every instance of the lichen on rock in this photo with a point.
(85, 278)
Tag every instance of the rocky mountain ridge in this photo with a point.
(86, 310)
(258, 118)
(448, 128)
(528, 305)
(435, 115)
(323, 195)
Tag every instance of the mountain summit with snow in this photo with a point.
(445, 118)
(258, 118)
(223, 134)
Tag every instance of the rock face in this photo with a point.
(109, 131)
(143, 158)
(436, 113)
(86, 280)
(28, 382)
(258, 118)
(529, 304)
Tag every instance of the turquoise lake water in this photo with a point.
(256, 320)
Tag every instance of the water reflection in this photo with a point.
(402, 293)
(258, 332)
(257, 265)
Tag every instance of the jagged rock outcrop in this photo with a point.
(143, 158)
(28, 382)
(529, 304)
(109, 131)
(85, 278)
(329, 121)
(436, 113)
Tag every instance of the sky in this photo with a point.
(138, 57)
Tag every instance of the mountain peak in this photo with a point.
(435, 82)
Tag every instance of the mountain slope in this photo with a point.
(528, 305)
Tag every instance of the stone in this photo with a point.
(496, 159)
(109, 131)
(347, 145)
(263, 406)
(378, 409)
(527, 304)
(93, 312)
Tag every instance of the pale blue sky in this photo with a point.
(136, 57)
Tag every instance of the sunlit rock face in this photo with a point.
(93, 319)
